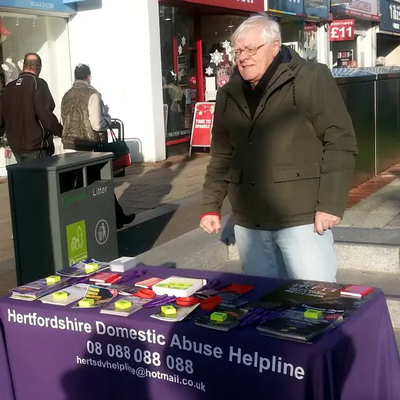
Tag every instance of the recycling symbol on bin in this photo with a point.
(102, 231)
(77, 241)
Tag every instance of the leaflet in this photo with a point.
(74, 293)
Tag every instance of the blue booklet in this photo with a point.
(37, 289)
(79, 270)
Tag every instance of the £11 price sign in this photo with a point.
(341, 30)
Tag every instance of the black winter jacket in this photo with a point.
(26, 114)
(293, 158)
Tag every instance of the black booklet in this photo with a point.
(293, 323)
(321, 294)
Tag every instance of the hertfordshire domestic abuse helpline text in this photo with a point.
(262, 364)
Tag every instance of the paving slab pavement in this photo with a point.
(381, 210)
(166, 197)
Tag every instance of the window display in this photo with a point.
(47, 36)
(218, 59)
(178, 72)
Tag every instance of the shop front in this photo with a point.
(302, 23)
(37, 27)
(353, 43)
(388, 39)
(196, 58)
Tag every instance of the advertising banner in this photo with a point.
(293, 7)
(317, 8)
(362, 9)
(390, 16)
(340, 31)
(245, 5)
(202, 125)
(45, 5)
(311, 8)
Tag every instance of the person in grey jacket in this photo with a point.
(84, 114)
(86, 122)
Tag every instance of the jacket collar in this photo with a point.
(81, 83)
(285, 73)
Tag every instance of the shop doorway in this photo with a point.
(196, 61)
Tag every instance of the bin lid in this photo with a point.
(62, 161)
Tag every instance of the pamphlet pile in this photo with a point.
(37, 289)
(302, 311)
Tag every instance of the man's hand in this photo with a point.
(211, 223)
(324, 221)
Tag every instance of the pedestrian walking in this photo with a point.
(26, 113)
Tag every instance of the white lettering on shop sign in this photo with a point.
(41, 4)
(394, 12)
(246, 1)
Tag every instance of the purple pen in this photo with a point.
(251, 316)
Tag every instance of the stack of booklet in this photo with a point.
(292, 323)
(304, 310)
(37, 289)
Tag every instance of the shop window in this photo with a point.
(345, 54)
(178, 58)
(218, 60)
(301, 37)
(46, 36)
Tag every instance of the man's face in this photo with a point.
(253, 67)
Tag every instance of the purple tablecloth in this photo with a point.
(83, 354)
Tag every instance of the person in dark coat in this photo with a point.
(283, 149)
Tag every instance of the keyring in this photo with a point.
(145, 294)
(210, 303)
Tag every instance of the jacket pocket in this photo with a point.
(234, 176)
(295, 172)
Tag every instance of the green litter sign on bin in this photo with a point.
(77, 243)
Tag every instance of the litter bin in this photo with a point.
(63, 211)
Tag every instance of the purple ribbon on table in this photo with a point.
(160, 301)
(258, 316)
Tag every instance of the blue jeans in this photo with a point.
(290, 253)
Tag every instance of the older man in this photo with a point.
(283, 149)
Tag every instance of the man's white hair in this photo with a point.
(269, 29)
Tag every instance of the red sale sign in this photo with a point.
(202, 125)
(340, 31)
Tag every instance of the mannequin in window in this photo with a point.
(11, 72)
(177, 101)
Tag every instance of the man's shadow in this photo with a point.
(142, 236)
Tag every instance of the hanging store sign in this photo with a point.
(245, 5)
(317, 8)
(340, 31)
(291, 7)
(362, 9)
(45, 5)
(390, 16)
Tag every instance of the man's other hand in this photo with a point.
(211, 223)
(324, 221)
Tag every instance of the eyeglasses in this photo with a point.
(250, 51)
